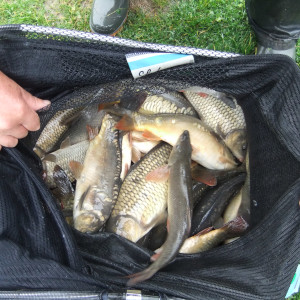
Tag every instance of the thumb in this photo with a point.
(36, 103)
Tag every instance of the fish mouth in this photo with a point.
(88, 222)
(39, 151)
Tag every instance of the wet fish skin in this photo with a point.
(179, 208)
(222, 113)
(156, 104)
(141, 147)
(198, 190)
(88, 116)
(64, 193)
(98, 179)
(236, 140)
(65, 186)
(54, 130)
(207, 149)
(212, 205)
(62, 157)
(141, 204)
(157, 236)
(240, 203)
(209, 238)
(127, 145)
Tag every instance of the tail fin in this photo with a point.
(141, 276)
(236, 227)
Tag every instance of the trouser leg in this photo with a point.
(276, 24)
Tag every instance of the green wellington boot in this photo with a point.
(108, 16)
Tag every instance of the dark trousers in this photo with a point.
(276, 23)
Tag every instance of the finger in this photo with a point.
(8, 141)
(30, 120)
(34, 102)
(18, 132)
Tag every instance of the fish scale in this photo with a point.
(54, 130)
(99, 180)
(62, 158)
(159, 104)
(223, 115)
(141, 203)
(215, 112)
(179, 208)
(207, 148)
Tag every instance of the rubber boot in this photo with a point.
(276, 24)
(108, 16)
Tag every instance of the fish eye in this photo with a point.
(244, 147)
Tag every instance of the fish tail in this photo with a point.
(237, 226)
(141, 276)
(126, 124)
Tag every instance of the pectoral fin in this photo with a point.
(160, 174)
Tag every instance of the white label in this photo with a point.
(294, 287)
(142, 64)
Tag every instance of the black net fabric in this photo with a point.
(39, 251)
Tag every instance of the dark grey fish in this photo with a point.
(179, 208)
(213, 204)
(155, 238)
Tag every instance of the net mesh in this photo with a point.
(40, 251)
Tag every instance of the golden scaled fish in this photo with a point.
(207, 149)
(208, 238)
(62, 157)
(222, 113)
(179, 208)
(54, 130)
(141, 203)
(163, 104)
(98, 179)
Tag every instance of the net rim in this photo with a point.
(116, 40)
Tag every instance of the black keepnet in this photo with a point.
(39, 251)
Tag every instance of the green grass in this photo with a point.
(217, 25)
(61, 14)
(211, 24)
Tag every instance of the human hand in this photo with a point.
(17, 112)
